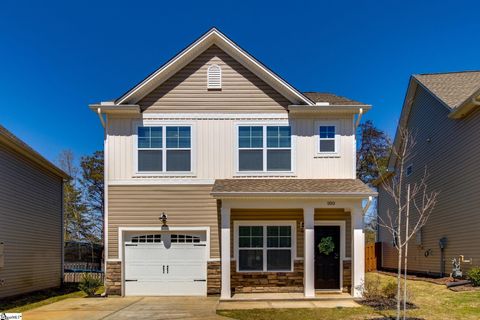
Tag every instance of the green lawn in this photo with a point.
(433, 302)
(40, 298)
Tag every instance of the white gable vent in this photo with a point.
(214, 77)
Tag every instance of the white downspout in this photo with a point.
(360, 113)
(367, 206)
(99, 112)
(475, 101)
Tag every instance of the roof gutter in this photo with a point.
(329, 108)
(361, 195)
(466, 107)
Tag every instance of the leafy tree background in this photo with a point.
(83, 196)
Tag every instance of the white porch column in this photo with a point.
(358, 263)
(225, 255)
(309, 252)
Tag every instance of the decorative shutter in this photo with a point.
(214, 77)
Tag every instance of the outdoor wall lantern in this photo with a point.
(163, 218)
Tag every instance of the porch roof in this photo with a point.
(225, 188)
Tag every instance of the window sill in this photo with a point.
(264, 174)
(164, 174)
(327, 155)
(265, 272)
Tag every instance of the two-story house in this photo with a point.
(223, 178)
(442, 110)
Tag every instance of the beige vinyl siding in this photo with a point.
(141, 206)
(450, 151)
(30, 225)
(268, 215)
(341, 215)
(214, 141)
(241, 91)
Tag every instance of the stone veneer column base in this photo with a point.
(113, 278)
(214, 278)
(248, 282)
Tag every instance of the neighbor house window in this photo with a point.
(264, 148)
(164, 149)
(409, 170)
(327, 143)
(265, 247)
(214, 77)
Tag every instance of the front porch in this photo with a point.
(286, 301)
(255, 264)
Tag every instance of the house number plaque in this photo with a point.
(330, 203)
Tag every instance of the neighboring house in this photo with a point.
(31, 219)
(442, 111)
(248, 173)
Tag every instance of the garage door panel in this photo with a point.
(172, 269)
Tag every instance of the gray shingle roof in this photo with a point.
(291, 186)
(452, 88)
(330, 98)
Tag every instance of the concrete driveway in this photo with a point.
(127, 308)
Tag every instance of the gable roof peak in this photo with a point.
(212, 37)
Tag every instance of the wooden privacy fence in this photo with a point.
(75, 277)
(373, 256)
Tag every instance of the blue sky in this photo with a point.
(57, 57)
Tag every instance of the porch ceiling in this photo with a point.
(225, 188)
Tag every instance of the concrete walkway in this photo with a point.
(127, 308)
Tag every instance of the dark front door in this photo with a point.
(327, 259)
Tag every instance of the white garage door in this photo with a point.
(166, 264)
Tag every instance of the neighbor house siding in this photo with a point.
(214, 140)
(30, 225)
(141, 206)
(449, 151)
(241, 91)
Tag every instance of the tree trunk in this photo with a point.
(406, 255)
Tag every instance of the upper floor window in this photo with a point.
(214, 77)
(327, 143)
(264, 148)
(164, 149)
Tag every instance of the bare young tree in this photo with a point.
(413, 205)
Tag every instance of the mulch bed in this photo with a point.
(440, 281)
(466, 287)
(384, 304)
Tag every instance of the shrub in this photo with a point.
(89, 284)
(474, 276)
(372, 288)
(389, 290)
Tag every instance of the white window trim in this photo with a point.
(264, 124)
(335, 124)
(164, 124)
(211, 85)
(265, 223)
(342, 225)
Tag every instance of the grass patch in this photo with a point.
(40, 298)
(432, 301)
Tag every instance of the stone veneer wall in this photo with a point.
(214, 277)
(113, 278)
(347, 276)
(246, 282)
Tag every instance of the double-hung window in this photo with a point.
(164, 149)
(264, 148)
(266, 247)
(327, 143)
